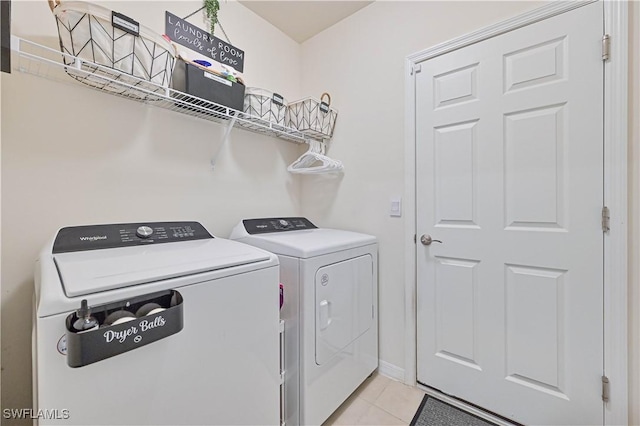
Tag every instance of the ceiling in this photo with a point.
(302, 19)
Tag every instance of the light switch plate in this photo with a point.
(395, 209)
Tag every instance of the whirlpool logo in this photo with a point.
(324, 280)
(94, 238)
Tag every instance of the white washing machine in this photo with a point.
(330, 311)
(178, 328)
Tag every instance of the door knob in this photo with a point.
(427, 240)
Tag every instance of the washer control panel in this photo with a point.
(96, 237)
(277, 224)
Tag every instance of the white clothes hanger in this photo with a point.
(315, 162)
(225, 140)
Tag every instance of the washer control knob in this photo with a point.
(283, 222)
(144, 232)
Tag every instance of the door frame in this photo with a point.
(615, 191)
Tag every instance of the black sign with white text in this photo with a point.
(198, 40)
(93, 345)
(125, 23)
(277, 99)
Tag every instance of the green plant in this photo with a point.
(211, 8)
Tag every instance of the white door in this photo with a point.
(510, 179)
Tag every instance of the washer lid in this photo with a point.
(94, 271)
(309, 243)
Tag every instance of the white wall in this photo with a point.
(360, 61)
(72, 155)
(1, 78)
(634, 214)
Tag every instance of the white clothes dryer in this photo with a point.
(155, 324)
(330, 311)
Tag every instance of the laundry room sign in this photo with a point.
(182, 32)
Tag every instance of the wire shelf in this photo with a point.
(49, 63)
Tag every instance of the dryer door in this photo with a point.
(343, 303)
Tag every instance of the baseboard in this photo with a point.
(391, 371)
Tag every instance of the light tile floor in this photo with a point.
(378, 401)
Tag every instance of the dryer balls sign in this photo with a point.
(84, 347)
(144, 325)
(206, 44)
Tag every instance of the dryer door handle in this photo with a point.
(325, 314)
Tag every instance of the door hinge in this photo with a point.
(415, 238)
(606, 219)
(416, 68)
(606, 47)
(605, 389)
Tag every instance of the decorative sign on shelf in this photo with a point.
(197, 39)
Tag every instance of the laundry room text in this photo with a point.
(182, 32)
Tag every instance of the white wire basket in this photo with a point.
(314, 118)
(265, 105)
(87, 33)
(44, 62)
